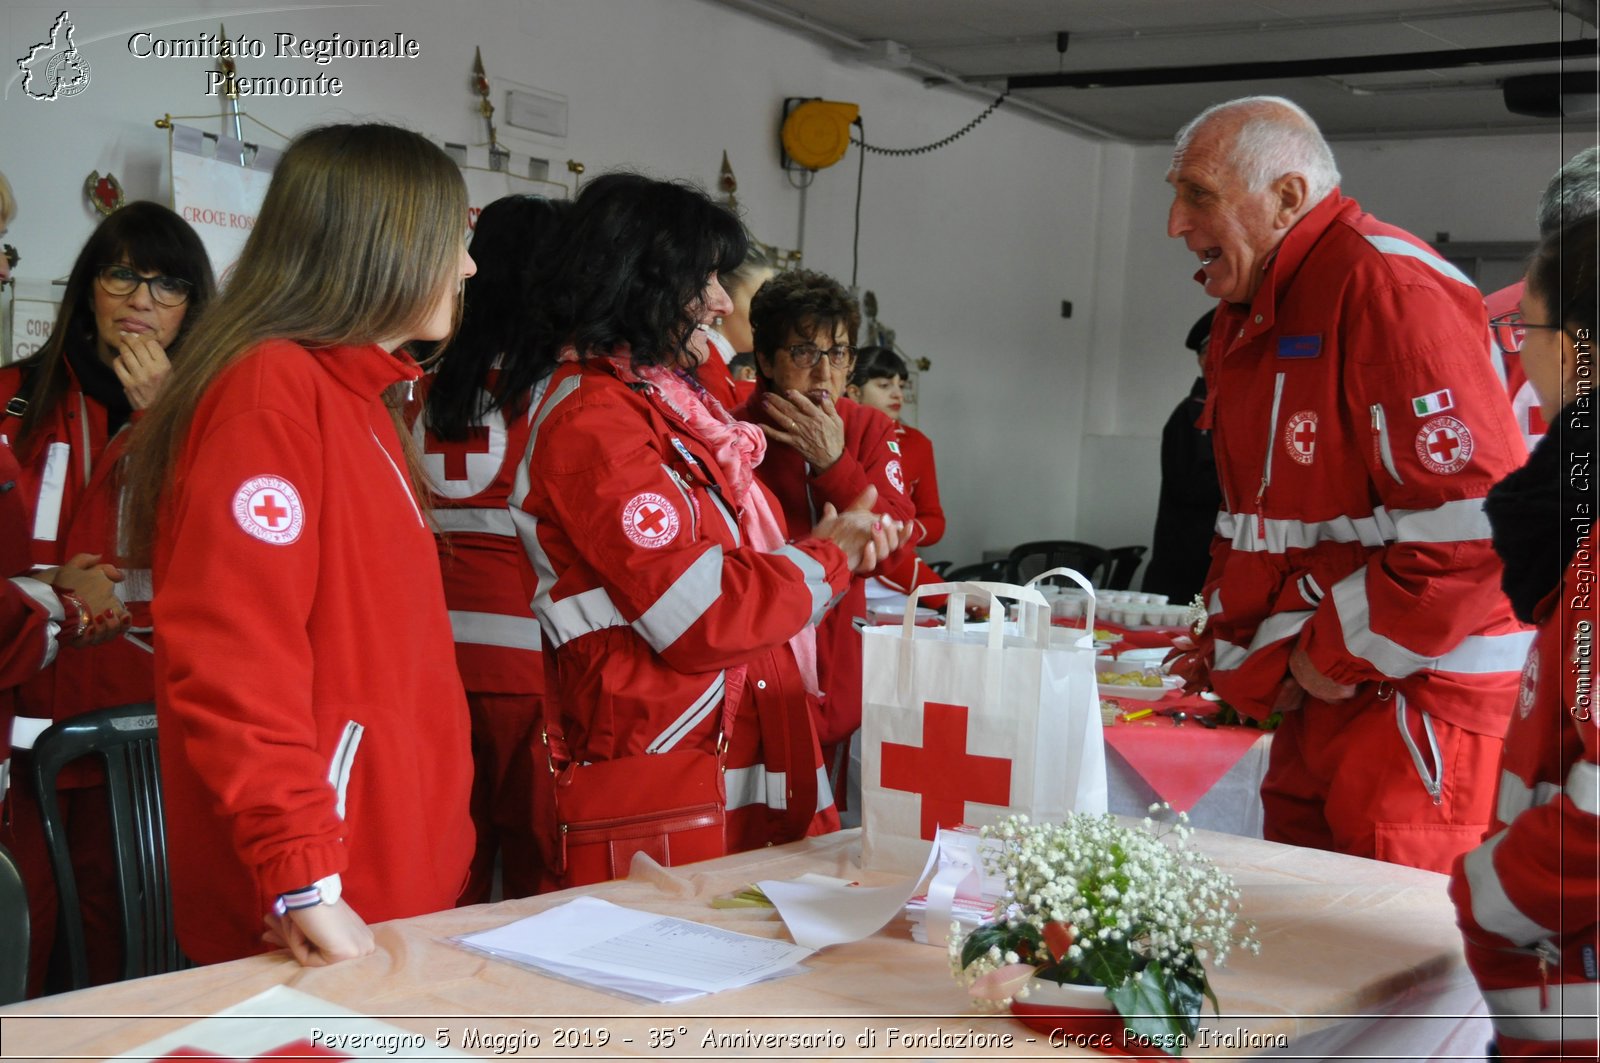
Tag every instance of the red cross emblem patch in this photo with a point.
(268, 508)
(1528, 689)
(649, 520)
(896, 477)
(1300, 437)
(1444, 445)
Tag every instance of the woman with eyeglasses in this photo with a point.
(826, 450)
(314, 733)
(135, 289)
(676, 717)
(1526, 897)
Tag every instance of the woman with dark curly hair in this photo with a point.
(672, 604)
(137, 286)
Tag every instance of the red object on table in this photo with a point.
(1181, 763)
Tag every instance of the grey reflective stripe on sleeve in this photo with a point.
(1568, 1013)
(40, 592)
(1583, 787)
(1393, 245)
(1460, 521)
(756, 785)
(580, 614)
(816, 579)
(495, 521)
(495, 629)
(1274, 628)
(52, 488)
(1281, 535)
(690, 718)
(727, 518)
(696, 589)
(25, 730)
(1491, 908)
(1474, 655)
(1514, 797)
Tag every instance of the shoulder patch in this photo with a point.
(1300, 436)
(649, 520)
(269, 508)
(896, 477)
(1444, 445)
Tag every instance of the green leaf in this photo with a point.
(980, 941)
(1154, 1008)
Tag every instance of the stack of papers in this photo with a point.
(637, 954)
(961, 890)
(970, 912)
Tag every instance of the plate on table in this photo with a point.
(1111, 689)
(1151, 657)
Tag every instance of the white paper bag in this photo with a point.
(970, 723)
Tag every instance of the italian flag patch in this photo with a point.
(1439, 401)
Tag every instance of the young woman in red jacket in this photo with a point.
(138, 284)
(314, 733)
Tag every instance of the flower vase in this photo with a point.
(1080, 1015)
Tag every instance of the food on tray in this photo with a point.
(1130, 679)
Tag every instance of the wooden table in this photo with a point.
(1345, 942)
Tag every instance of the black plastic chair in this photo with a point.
(1030, 559)
(991, 571)
(13, 928)
(1124, 563)
(124, 739)
(941, 567)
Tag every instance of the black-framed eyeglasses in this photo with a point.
(1510, 331)
(806, 355)
(122, 281)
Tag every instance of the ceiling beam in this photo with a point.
(1580, 9)
(1294, 68)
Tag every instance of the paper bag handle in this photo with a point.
(1078, 578)
(955, 613)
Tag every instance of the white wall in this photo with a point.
(970, 249)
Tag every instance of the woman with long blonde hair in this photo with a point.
(314, 733)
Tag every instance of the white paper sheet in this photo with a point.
(819, 914)
(637, 953)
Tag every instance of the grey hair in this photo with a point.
(1573, 192)
(1271, 143)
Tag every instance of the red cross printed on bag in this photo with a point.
(455, 451)
(301, 1049)
(1444, 445)
(943, 772)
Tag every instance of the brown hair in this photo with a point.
(357, 238)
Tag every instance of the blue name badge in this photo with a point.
(1299, 346)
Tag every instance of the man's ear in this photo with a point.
(1293, 195)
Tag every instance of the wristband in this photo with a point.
(323, 891)
(75, 604)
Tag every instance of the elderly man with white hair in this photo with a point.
(1358, 424)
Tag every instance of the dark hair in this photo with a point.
(802, 301)
(151, 239)
(627, 268)
(1200, 332)
(511, 233)
(1563, 274)
(878, 363)
(742, 361)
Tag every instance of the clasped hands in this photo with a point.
(1191, 659)
(865, 537)
(94, 584)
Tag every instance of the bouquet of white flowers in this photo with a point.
(1092, 902)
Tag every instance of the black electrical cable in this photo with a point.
(937, 144)
(855, 240)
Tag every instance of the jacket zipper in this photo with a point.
(83, 424)
(688, 500)
(398, 475)
(343, 762)
(1380, 440)
(1266, 472)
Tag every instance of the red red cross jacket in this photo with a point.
(484, 566)
(1524, 401)
(1358, 425)
(868, 458)
(311, 720)
(70, 480)
(1528, 898)
(30, 613)
(647, 595)
(922, 483)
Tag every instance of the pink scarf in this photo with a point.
(738, 447)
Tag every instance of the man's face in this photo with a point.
(1231, 229)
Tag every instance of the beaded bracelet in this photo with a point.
(67, 599)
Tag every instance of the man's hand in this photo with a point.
(1313, 682)
(817, 432)
(321, 935)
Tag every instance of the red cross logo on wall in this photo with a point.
(943, 772)
(455, 451)
(1444, 445)
(270, 511)
(1300, 436)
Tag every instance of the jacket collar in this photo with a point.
(1291, 255)
(367, 370)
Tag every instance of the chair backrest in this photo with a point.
(991, 571)
(13, 928)
(124, 739)
(1030, 559)
(1124, 563)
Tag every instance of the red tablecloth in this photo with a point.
(1180, 762)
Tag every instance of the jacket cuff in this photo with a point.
(1322, 639)
(842, 482)
(308, 863)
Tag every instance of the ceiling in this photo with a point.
(977, 45)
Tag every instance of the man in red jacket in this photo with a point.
(1358, 424)
(826, 449)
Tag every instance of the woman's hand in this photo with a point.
(141, 365)
(865, 537)
(321, 935)
(817, 432)
(95, 586)
(1307, 678)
